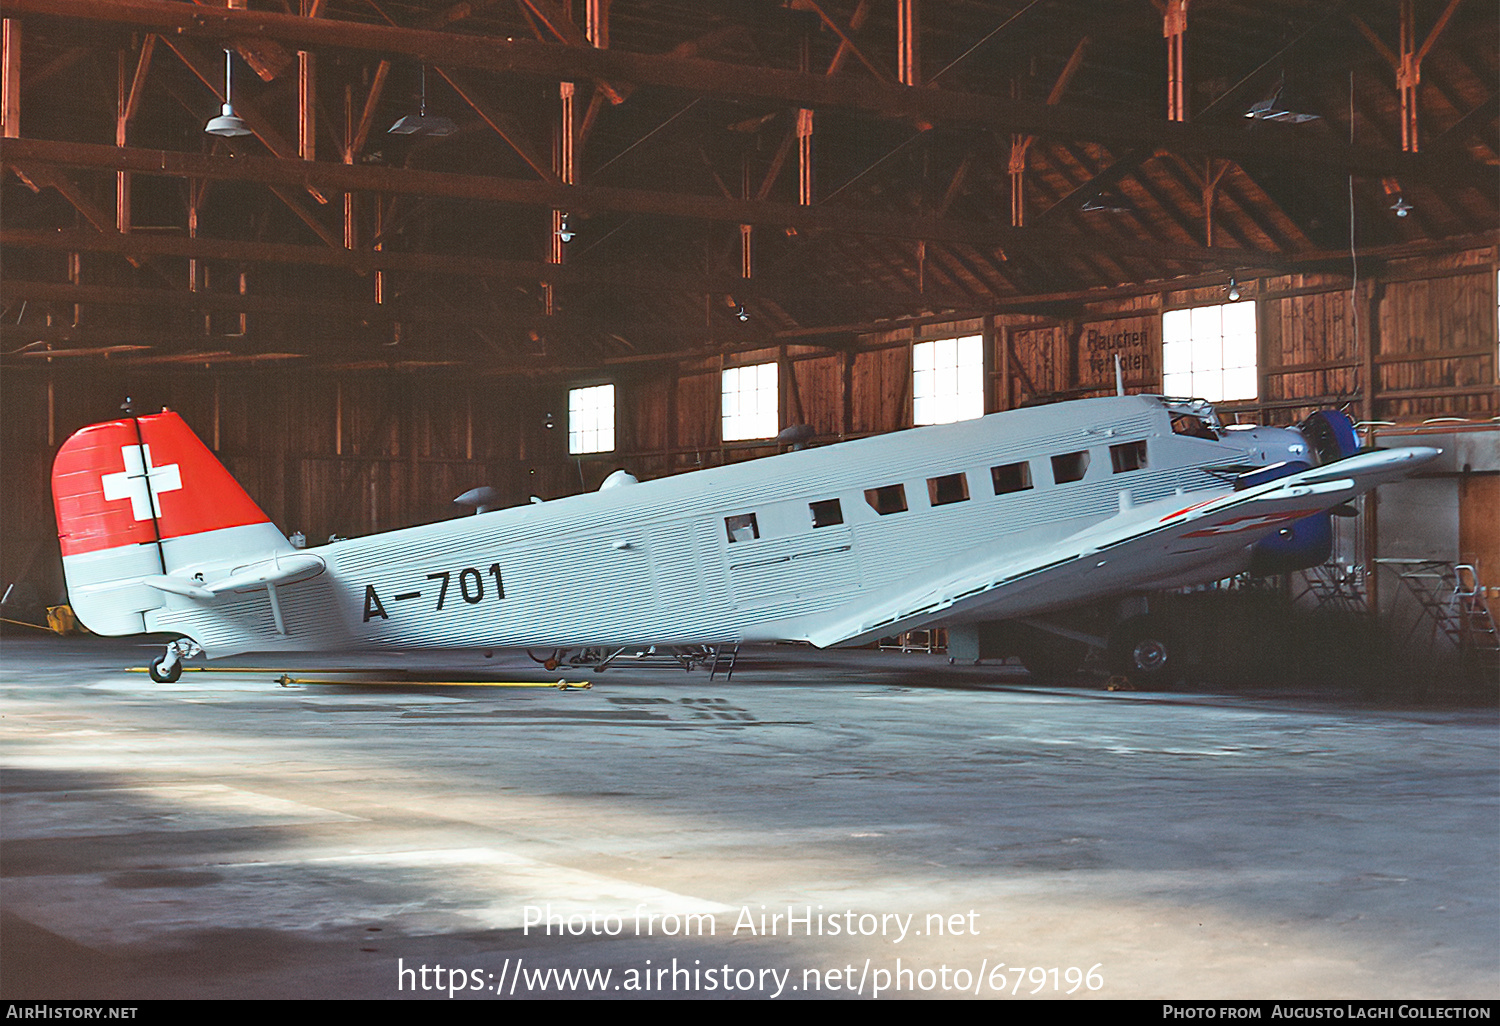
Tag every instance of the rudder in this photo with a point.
(140, 499)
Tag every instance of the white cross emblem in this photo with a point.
(140, 482)
(1248, 523)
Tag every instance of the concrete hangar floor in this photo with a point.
(825, 824)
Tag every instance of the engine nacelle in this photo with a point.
(1328, 436)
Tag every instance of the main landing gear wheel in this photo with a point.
(1144, 650)
(165, 676)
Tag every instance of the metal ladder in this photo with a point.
(724, 660)
(1452, 597)
(1480, 642)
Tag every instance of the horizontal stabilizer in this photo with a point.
(284, 569)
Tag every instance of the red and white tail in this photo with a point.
(145, 510)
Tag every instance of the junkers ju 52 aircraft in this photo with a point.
(1017, 516)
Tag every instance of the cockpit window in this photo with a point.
(1195, 427)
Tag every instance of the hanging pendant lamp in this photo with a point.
(228, 123)
(419, 123)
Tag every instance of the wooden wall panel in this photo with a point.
(1137, 342)
(882, 390)
(819, 388)
(1038, 362)
(643, 409)
(698, 419)
(1449, 322)
(1315, 329)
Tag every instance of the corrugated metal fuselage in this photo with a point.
(754, 551)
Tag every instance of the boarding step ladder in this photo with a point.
(1451, 596)
(1336, 586)
(724, 660)
(1481, 642)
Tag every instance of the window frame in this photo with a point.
(737, 425)
(939, 493)
(1198, 358)
(929, 365)
(1027, 481)
(876, 499)
(578, 431)
(826, 513)
(1065, 463)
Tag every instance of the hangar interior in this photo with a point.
(381, 252)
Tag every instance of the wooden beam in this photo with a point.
(333, 177)
(505, 126)
(10, 79)
(1269, 143)
(846, 39)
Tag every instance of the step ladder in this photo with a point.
(1452, 598)
(724, 660)
(1480, 644)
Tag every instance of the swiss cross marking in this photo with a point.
(1248, 523)
(140, 482)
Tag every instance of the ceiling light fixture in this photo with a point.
(1272, 108)
(1107, 202)
(419, 123)
(227, 124)
(565, 231)
(1401, 207)
(1234, 291)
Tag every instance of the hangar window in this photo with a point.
(827, 513)
(742, 528)
(1208, 352)
(887, 500)
(1127, 456)
(1013, 477)
(1070, 466)
(591, 419)
(947, 382)
(949, 489)
(750, 405)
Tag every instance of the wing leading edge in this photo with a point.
(1151, 546)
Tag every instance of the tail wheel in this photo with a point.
(1144, 649)
(162, 676)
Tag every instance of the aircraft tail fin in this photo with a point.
(144, 509)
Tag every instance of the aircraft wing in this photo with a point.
(1156, 545)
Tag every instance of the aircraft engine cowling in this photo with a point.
(1330, 437)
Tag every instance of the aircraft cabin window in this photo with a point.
(948, 489)
(887, 500)
(742, 528)
(1128, 456)
(1013, 477)
(826, 513)
(1070, 466)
